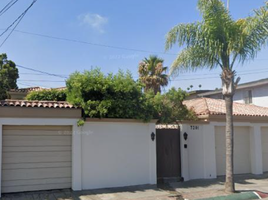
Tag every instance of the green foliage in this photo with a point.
(80, 122)
(8, 76)
(152, 74)
(169, 107)
(218, 40)
(47, 95)
(111, 96)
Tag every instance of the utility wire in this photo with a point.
(93, 44)
(42, 72)
(7, 7)
(42, 81)
(189, 79)
(16, 23)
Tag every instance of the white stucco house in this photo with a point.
(42, 148)
(255, 92)
(203, 152)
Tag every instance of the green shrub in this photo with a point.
(108, 96)
(47, 95)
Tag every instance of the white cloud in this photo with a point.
(95, 21)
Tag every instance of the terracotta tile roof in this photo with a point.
(38, 104)
(207, 106)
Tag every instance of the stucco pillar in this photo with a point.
(209, 151)
(184, 153)
(77, 158)
(256, 149)
(153, 173)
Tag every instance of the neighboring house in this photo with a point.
(195, 94)
(255, 92)
(203, 141)
(21, 93)
(42, 148)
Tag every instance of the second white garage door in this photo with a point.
(241, 150)
(36, 158)
(264, 140)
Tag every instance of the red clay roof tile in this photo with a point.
(208, 106)
(39, 104)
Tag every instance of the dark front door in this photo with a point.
(168, 153)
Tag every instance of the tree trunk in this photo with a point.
(229, 183)
(228, 91)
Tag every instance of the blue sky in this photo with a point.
(134, 24)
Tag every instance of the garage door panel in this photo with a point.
(8, 138)
(36, 165)
(36, 143)
(37, 132)
(264, 141)
(36, 187)
(37, 181)
(36, 154)
(242, 163)
(36, 158)
(40, 173)
(37, 128)
(37, 149)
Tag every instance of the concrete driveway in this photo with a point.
(210, 188)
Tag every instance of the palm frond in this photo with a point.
(253, 35)
(193, 58)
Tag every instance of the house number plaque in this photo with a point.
(194, 127)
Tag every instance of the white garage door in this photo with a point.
(241, 150)
(36, 158)
(265, 149)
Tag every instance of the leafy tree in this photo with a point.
(219, 41)
(169, 107)
(111, 96)
(47, 95)
(151, 73)
(8, 76)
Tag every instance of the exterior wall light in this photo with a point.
(152, 136)
(185, 136)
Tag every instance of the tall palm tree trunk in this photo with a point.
(228, 91)
(229, 183)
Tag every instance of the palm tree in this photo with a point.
(219, 41)
(151, 74)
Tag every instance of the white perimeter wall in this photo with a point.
(116, 154)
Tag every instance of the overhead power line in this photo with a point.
(7, 7)
(42, 81)
(93, 44)
(42, 72)
(15, 23)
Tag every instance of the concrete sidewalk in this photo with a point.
(197, 189)
(145, 192)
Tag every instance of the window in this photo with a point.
(248, 97)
